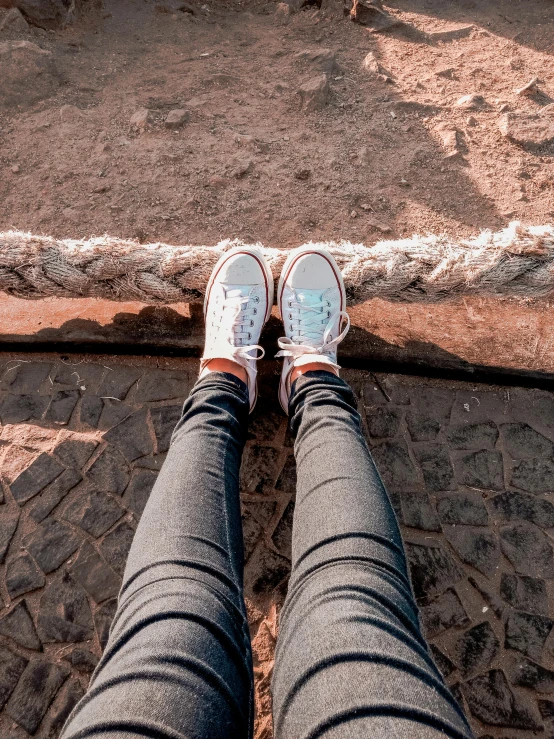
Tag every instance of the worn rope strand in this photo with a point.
(515, 262)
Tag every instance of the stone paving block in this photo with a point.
(476, 649)
(528, 674)
(527, 632)
(138, 490)
(436, 467)
(282, 536)
(54, 494)
(482, 470)
(94, 575)
(82, 659)
(251, 531)
(382, 421)
(267, 570)
(8, 525)
(443, 613)
(472, 435)
(524, 593)
(64, 703)
(94, 512)
(62, 406)
(446, 666)
(115, 546)
(265, 423)
(27, 377)
(117, 381)
(491, 700)
(533, 406)
(258, 468)
(433, 569)
(429, 411)
(512, 506)
(12, 666)
(132, 436)
(109, 472)
(286, 482)
(22, 575)
(162, 385)
(534, 475)
(395, 465)
(18, 625)
(35, 478)
(488, 593)
(521, 441)
(481, 406)
(21, 408)
(64, 613)
(164, 419)
(91, 410)
(418, 512)
(80, 376)
(462, 508)
(75, 452)
(528, 549)
(51, 543)
(103, 618)
(35, 690)
(113, 412)
(475, 547)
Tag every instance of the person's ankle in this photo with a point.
(314, 367)
(225, 365)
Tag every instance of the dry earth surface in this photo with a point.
(287, 131)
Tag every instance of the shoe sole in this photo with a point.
(259, 257)
(293, 257)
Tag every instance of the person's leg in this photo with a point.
(351, 661)
(178, 661)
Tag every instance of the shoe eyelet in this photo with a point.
(256, 299)
(290, 316)
(251, 324)
(328, 304)
(328, 314)
(255, 312)
(249, 336)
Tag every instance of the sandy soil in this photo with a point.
(389, 149)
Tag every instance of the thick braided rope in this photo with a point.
(515, 262)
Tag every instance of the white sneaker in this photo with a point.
(238, 302)
(312, 302)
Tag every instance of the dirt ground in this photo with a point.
(389, 151)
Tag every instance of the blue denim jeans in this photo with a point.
(351, 660)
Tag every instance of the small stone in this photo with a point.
(177, 118)
(18, 625)
(528, 549)
(54, 494)
(534, 475)
(35, 690)
(475, 547)
(353, 214)
(527, 674)
(314, 94)
(476, 649)
(82, 659)
(141, 118)
(22, 575)
(371, 64)
(218, 183)
(75, 452)
(109, 472)
(529, 88)
(528, 129)
(115, 546)
(435, 466)
(527, 632)
(94, 575)
(29, 74)
(103, 620)
(463, 508)
(524, 593)
(162, 385)
(14, 21)
(418, 512)
(95, 513)
(443, 613)
(302, 174)
(66, 700)
(118, 381)
(132, 436)
(62, 406)
(471, 121)
(138, 491)
(324, 59)
(471, 102)
(444, 665)
(521, 441)
(164, 419)
(15, 168)
(491, 701)
(511, 506)
(35, 478)
(395, 465)
(473, 436)
(241, 167)
(51, 543)
(8, 526)
(370, 13)
(432, 568)
(64, 614)
(482, 470)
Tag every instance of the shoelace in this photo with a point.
(307, 339)
(235, 317)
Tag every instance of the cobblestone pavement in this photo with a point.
(470, 470)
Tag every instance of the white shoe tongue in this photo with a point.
(309, 296)
(234, 292)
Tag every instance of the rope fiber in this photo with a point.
(517, 262)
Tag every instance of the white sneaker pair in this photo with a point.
(311, 300)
